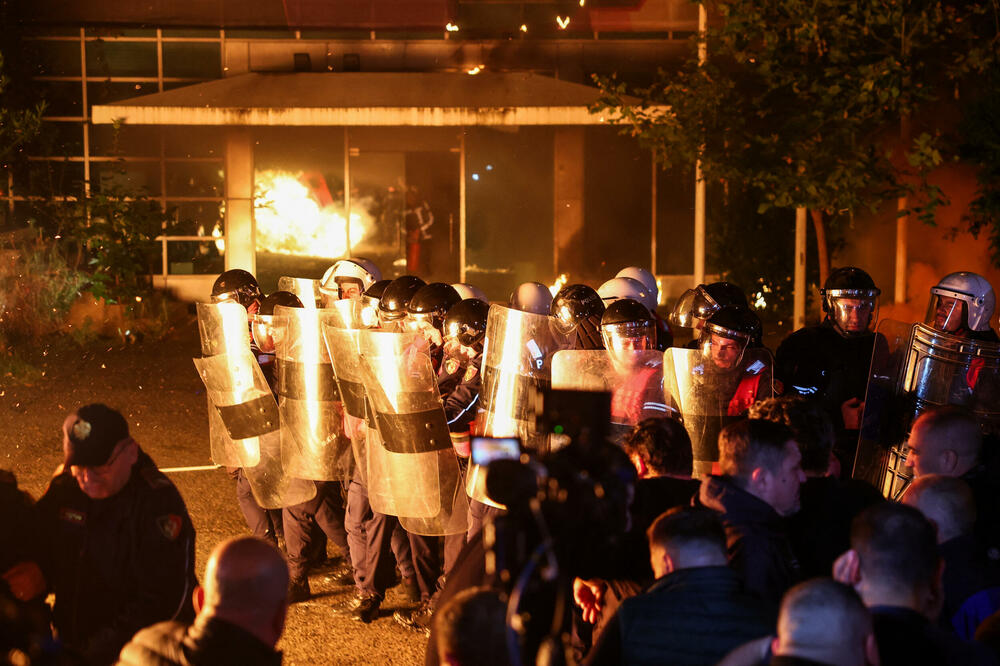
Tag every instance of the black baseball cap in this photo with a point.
(92, 433)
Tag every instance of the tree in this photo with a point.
(804, 100)
(18, 126)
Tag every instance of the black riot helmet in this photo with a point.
(431, 303)
(466, 322)
(698, 304)
(573, 304)
(850, 301)
(262, 323)
(727, 334)
(376, 290)
(397, 295)
(628, 325)
(238, 286)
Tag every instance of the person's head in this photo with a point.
(263, 325)
(427, 309)
(659, 447)
(465, 329)
(573, 305)
(763, 459)
(470, 629)
(627, 326)
(349, 278)
(395, 299)
(961, 302)
(727, 334)
(238, 286)
(532, 297)
(98, 450)
(684, 538)
(946, 501)
(246, 584)
(944, 440)
(850, 301)
(894, 559)
(810, 425)
(827, 622)
(695, 306)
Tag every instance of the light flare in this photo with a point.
(559, 284)
(291, 220)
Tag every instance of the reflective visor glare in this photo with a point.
(854, 314)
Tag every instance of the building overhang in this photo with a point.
(419, 99)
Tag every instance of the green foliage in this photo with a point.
(37, 289)
(980, 134)
(800, 99)
(116, 233)
(18, 126)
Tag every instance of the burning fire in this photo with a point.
(560, 283)
(292, 218)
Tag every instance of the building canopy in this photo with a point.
(363, 99)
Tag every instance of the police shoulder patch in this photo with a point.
(170, 526)
(451, 366)
(470, 373)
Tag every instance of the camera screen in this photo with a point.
(487, 449)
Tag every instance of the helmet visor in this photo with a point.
(854, 312)
(369, 312)
(262, 330)
(629, 336)
(947, 311)
(693, 308)
(722, 348)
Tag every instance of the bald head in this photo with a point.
(825, 621)
(945, 501)
(246, 583)
(944, 440)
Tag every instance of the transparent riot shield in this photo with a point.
(413, 470)
(345, 352)
(915, 367)
(709, 398)
(312, 442)
(243, 415)
(305, 288)
(517, 364)
(634, 379)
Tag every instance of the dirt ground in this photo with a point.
(154, 384)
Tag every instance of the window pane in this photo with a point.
(194, 179)
(194, 258)
(193, 142)
(195, 218)
(196, 60)
(121, 59)
(130, 140)
(126, 177)
(57, 58)
(49, 179)
(59, 138)
(105, 93)
(62, 98)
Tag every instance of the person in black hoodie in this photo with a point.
(696, 611)
(821, 530)
(761, 476)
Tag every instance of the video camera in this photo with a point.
(567, 509)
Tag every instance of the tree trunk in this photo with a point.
(822, 251)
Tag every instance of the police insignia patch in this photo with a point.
(470, 374)
(451, 366)
(170, 526)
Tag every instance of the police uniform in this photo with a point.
(117, 564)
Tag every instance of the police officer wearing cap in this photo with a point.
(116, 544)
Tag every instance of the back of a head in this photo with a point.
(810, 425)
(896, 547)
(946, 501)
(954, 428)
(663, 444)
(246, 580)
(690, 535)
(752, 443)
(824, 621)
(470, 629)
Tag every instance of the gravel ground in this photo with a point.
(154, 384)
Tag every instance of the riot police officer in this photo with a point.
(962, 304)
(651, 299)
(695, 306)
(577, 309)
(830, 362)
(628, 329)
(348, 278)
(532, 297)
(425, 313)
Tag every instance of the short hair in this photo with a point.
(752, 443)
(947, 501)
(896, 545)
(470, 629)
(685, 527)
(246, 574)
(810, 425)
(957, 426)
(663, 444)
(823, 614)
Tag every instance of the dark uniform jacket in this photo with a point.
(690, 616)
(907, 638)
(209, 641)
(759, 549)
(118, 564)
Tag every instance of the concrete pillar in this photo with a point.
(567, 222)
(241, 236)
